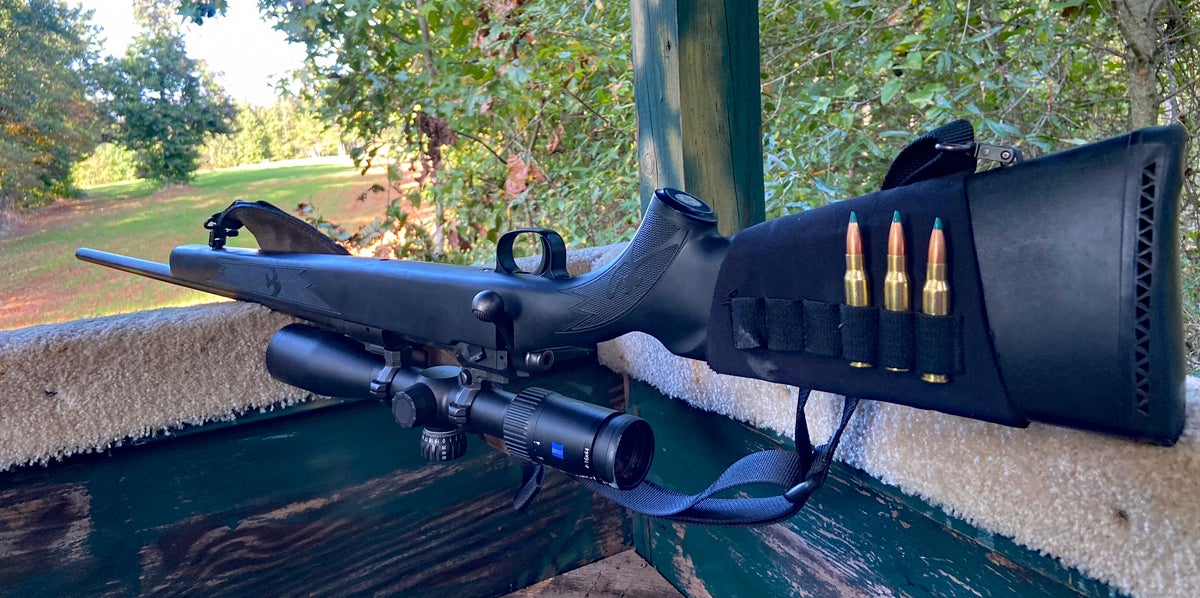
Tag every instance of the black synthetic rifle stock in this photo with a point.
(1064, 306)
(499, 320)
(379, 317)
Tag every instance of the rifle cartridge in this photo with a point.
(935, 295)
(855, 280)
(895, 282)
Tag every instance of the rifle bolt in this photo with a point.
(488, 306)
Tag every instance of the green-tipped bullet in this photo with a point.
(895, 281)
(855, 281)
(935, 296)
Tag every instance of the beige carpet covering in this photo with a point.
(92, 384)
(1125, 513)
(1122, 512)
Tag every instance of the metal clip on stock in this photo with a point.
(1006, 155)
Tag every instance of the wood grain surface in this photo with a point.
(625, 575)
(329, 502)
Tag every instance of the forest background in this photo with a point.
(512, 113)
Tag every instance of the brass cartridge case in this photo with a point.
(895, 282)
(895, 285)
(855, 280)
(935, 295)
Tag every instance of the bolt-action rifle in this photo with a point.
(1051, 290)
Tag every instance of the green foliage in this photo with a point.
(164, 103)
(504, 114)
(46, 122)
(521, 113)
(284, 131)
(108, 163)
(846, 84)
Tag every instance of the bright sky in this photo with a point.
(240, 45)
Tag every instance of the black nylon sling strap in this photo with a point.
(798, 472)
(922, 159)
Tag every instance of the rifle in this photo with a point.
(1059, 302)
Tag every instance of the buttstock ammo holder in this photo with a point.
(1065, 304)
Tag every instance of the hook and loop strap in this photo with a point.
(798, 473)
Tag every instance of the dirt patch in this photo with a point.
(66, 213)
(8, 222)
(52, 217)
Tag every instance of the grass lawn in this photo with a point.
(42, 282)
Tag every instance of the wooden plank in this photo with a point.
(627, 575)
(696, 85)
(331, 502)
(856, 536)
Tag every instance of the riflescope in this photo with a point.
(536, 424)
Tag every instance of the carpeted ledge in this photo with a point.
(1121, 512)
(91, 384)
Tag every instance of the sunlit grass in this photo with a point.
(121, 190)
(42, 282)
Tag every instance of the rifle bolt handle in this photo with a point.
(488, 306)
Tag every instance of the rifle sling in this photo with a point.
(275, 230)
(798, 473)
(923, 159)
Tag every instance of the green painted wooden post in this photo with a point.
(696, 82)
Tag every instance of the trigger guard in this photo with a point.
(554, 253)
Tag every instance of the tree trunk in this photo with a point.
(1138, 22)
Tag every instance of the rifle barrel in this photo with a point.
(149, 269)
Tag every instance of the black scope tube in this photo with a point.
(537, 425)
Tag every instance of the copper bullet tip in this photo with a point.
(853, 237)
(937, 244)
